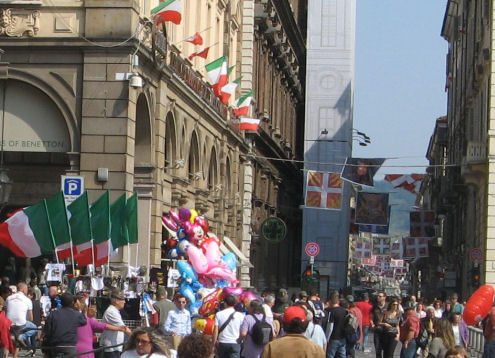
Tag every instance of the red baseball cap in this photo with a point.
(294, 312)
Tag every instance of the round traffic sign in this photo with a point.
(312, 249)
(476, 254)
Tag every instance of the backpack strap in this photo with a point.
(226, 323)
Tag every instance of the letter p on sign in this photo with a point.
(73, 187)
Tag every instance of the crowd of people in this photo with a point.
(272, 325)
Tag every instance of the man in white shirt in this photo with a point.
(226, 330)
(19, 311)
(269, 302)
(112, 316)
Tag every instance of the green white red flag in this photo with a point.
(218, 74)
(242, 107)
(228, 90)
(195, 39)
(247, 124)
(203, 53)
(170, 10)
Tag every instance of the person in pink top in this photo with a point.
(85, 333)
(365, 307)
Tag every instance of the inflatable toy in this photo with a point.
(478, 305)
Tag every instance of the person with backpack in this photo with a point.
(352, 344)
(256, 330)
(227, 329)
(334, 327)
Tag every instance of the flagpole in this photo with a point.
(51, 231)
(199, 32)
(70, 238)
(137, 253)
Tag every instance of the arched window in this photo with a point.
(193, 164)
(143, 133)
(170, 142)
(212, 171)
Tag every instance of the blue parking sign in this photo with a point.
(72, 186)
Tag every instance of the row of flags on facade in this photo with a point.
(88, 234)
(218, 70)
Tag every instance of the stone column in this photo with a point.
(246, 219)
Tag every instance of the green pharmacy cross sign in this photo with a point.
(273, 229)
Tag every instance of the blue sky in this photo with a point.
(399, 79)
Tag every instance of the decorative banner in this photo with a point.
(396, 250)
(396, 263)
(362, 249)
(383, 261)
(361, 170)
(422, 223)
(388, 273)
(381, 246)
(409, 182)
(324, 190)
(401, 272)
(369, 262)
(372, 208)
(415, 247)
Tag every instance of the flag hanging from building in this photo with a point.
(362, 250)
(372, 208)
(361, 170)
(217, 73)
(28, 233)
(369, 261)
(228, 90)
(409, 182)
(131, 219)
(242, 106)
(324, 190)
(374, 229)
(381, 245)
(422, 223)
(170, 10)
(396, 250)
(203, 54)
(80, 224)
(195, 39)
(396, 263)
(60, 225)
(246, 124)
(415, 247)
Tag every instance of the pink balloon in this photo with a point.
(201, 220)
(247, 296)
(169, 223)
(174, 216)
(211, 249)
(221, 273)
(186, 225)
(195, 233)
(184, 214)
(197, 259)
(233, 291)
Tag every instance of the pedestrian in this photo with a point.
(113, 339)
(313, 331)
(195, 346)
(146, 342)
(389, 322)
(30, 335)
(303, 296)
(377, 313)
(86, 333)
(409, 331)
(489, 334)
(420, 311)
(19, 312)
(334, 327)
(447, 310)
(460, 330)
(353, 309)
(294, 344)
(281, 302)
(178, 323)
(443, 340)
(50, 302)
(227, 330)
(268, 303)
(162, 305)
(365, 307)
(457, 352)
(456, 305)
(315, 302)
(426, 331)
(6, 343)
(250, 348)
(437, 305)
(60, 329)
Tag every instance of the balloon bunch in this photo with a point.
(206, 270)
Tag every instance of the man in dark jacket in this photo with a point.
(334, 327)
(60, 330)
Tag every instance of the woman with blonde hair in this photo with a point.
(389, 337)
(443, 339)
(147, 342)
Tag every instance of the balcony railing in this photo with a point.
(194, 81)
(476, 342)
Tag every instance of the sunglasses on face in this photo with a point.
(142, 341)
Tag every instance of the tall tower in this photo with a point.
(328, 128)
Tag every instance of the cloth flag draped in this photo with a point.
(374, 229)
(369, 262)
(217, 73)
(242, 106)
(396, 250)
(80, 225)
(228, 90)
(362, 249)
(170, 10)
(28, 232)
(195, 39)
(415, 247)
(131, 219)
(203, 53)
(118, 227)
(324, 190)
(60, 225)
(396, 263)
(372, 208)
(409, 182)
(381, 246)
(246, 124)
(361, 170)
(422, 223)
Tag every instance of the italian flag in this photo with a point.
(217, 72)
(228, 90)
(202, 53)
(195, 39)
(28, 232)
(59, 222)
(242, 107)
(247, 124)
(170, 10)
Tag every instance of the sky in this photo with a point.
(399, 79)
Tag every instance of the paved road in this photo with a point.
(371, 354)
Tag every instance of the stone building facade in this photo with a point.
(72, 107)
